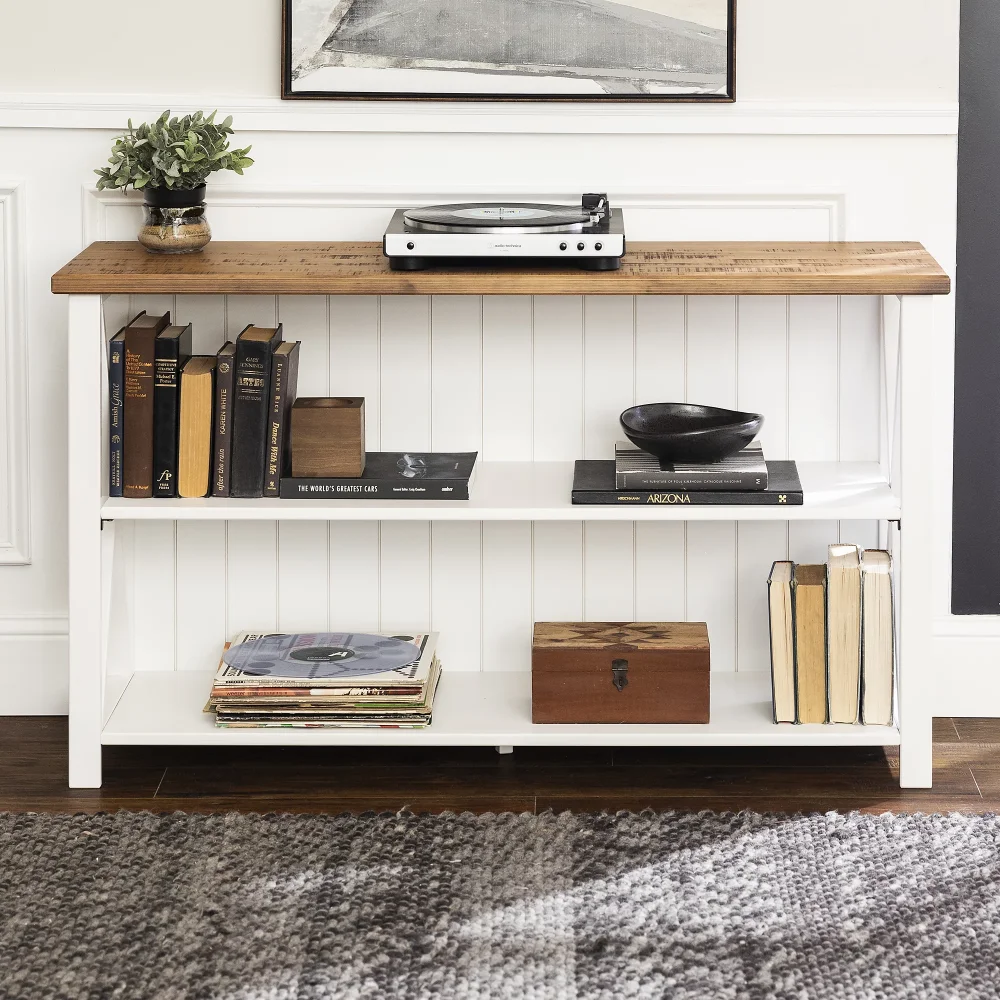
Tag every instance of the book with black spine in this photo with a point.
(594, 483)
(222, 419)
(254, 347)
(172, 350)
(284, 382)
(638, 470)
(140, 359)
(116, 412)
(395, 476)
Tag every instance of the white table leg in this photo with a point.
(916, 666)
(86, 489)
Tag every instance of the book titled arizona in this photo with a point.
(391, 475)
(594, 483)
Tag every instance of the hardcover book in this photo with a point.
(195, 440)
(140, 356)
(638, 470)
(284, 380)
(222, 433)
(877, 638)
(392, 475)
(843, 615)
(254, 348)
(173, 348)
(116, 412)
(594, 483)
(782, 626)
(809, 610)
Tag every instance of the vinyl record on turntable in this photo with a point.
(491, 217)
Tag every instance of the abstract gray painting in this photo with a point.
(555, 49)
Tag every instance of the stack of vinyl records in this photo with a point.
(326, 680)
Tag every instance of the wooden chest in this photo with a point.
(620, 672)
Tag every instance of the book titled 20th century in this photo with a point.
(392, 475)
(594, 483)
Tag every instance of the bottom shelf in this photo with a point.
(472, 709)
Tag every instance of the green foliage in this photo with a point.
(174, 153)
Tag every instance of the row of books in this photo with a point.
(636, 477)
(190, 426)
(832, 638)
(326, 680)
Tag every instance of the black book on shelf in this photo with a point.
(284, 382)
(251, 398)
(222, 418)
(594, 483)
(391, 475)
(171, 352)
(116, 412)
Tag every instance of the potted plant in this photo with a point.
(169, 161)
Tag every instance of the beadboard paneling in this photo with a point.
(520, 378)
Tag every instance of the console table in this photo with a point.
(133, 706)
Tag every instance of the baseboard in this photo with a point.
(34, 674)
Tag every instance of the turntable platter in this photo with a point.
(499, 217)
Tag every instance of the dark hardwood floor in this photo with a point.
(197, 779)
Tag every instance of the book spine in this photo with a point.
(284, 372)
(700, 481)
(222, 437)
(746, 498)
(116, 391)
(372, 489)
(250, 412)
(166, 417)
(137, 462)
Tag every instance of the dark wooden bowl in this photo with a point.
(685, 432)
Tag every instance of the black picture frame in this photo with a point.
(288, 94)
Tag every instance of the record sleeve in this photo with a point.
(327, 659)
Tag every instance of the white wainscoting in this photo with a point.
(15, 534)
(755, 170)
(517, 378)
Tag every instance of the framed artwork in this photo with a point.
(562, 50)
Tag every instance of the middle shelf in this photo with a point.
(540, 491)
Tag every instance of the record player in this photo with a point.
(590, 236)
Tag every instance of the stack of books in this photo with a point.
(326, 681)
(832, 647)
(193, 426)
(636, 477)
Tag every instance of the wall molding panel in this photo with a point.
(15, 528)
(95, 111)
(27, 626)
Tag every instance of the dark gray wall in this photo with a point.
(976, 525)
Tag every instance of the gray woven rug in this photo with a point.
(247, 907)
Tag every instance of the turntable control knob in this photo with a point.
(580, 246)
(598, 246)
(562, 246)
(409, 246)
